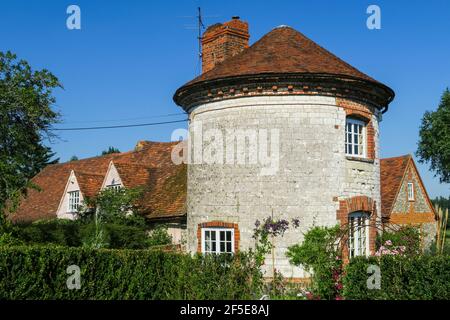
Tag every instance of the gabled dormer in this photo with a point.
(71, 199)
(80, 186)
(112, 178)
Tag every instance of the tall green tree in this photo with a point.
(434, 140)
(26, 116)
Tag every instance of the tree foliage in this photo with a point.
(110, 150)
(320, 254)
(434, 140)
(26, 115)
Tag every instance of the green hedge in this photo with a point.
(420, 277)
(40, 273)
(69, 233)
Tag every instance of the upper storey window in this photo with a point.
(74, 201)
(410, 191)
(355, 138)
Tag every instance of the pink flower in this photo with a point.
(388, 243)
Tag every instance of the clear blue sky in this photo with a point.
(130, 57)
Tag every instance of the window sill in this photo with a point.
(366, 160)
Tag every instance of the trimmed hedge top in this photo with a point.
(402, 278)
(41, 273)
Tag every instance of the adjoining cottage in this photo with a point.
(284, 98)
(63, 187)
(404, 198)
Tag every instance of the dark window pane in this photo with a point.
(229, 247)
(222, 235)
(222, 246)
(228, 235)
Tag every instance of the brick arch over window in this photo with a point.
(359, 111)
(357, 204)
(218, 224)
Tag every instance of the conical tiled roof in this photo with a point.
(283, 57)
(282, 50)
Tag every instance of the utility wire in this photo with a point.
(120, 126)
(128, 119)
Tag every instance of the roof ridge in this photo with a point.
(398, 157)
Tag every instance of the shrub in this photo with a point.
(419, 277)
(77, 233)
(405, 236)
(40, 273)
(56, 231)
(319, 253)
(159, 236)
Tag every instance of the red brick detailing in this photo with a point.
(370, 141)
(218, 224)
(358, 110)
(223, 41)
(354, 204)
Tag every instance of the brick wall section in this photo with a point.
(218, 224)
(355, 204)
(363, 112)
(223, 41)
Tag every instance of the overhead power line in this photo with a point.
(128, 119)
(119, 126)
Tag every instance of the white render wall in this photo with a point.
(313, 170)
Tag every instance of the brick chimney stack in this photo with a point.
(222, 41)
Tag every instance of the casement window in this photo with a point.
(358, 237)
(355, 138)
(217, 240)
(74, 201)
(115, 187)
(410, 191)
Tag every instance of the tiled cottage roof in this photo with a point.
(89, 183)
(392, 171)
(150, 166)
(133, 175)
(282, 50)
(166, 195)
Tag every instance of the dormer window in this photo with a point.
(74, 201)
(355, 138)
(410, 191)
(115, 187)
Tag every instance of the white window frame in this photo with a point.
(217, 239)
(116, 186)
(350, 146)
(73, 201)
(410, 189)
(360, 247)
